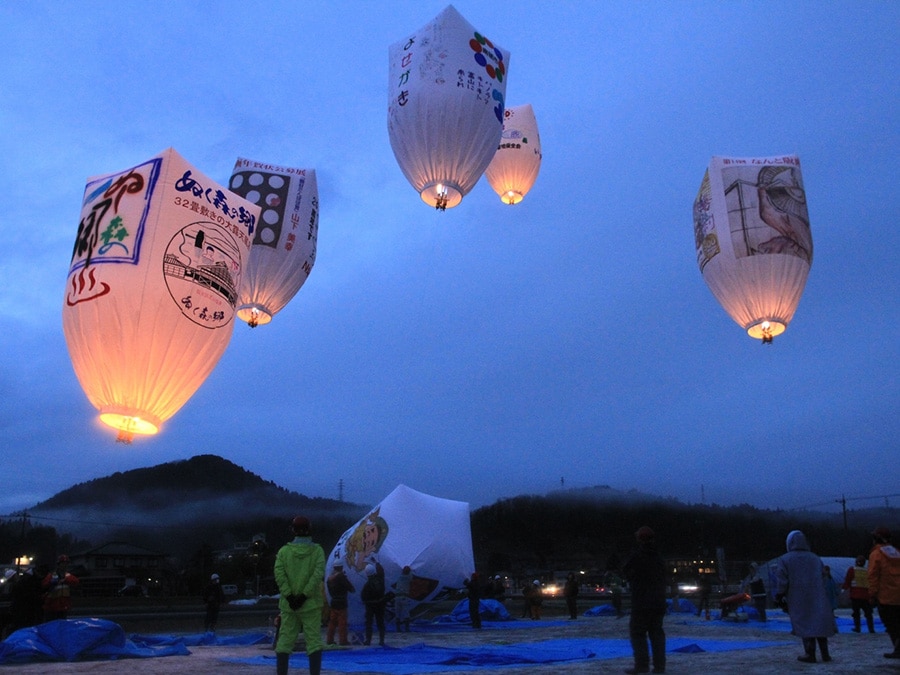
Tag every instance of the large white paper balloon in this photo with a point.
(446, 93)
(152, 285)
(284, 246)
(516, 163)
(430, 534)
(754, 245)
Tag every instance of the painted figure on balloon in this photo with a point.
(782, 206)
(366, 541)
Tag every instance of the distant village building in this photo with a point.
(240, 550)
(112, 568)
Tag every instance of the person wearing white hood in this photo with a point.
(800, 592)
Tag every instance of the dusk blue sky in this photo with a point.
(489, 350)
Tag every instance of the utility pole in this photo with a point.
(843, 502)
(341, 490)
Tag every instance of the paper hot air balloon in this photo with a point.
(284, 246)
(754, 245)
(446, 94)
(429, 534)
(516, 163)
(152, 285)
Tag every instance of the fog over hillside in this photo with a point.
(204, 498)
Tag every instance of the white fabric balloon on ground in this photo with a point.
(430, 534)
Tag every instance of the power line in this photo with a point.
(846, 499)
(873, 497)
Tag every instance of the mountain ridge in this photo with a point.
(210, 501)
(178, 505)
(202, 474)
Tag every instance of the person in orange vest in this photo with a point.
(856, 582)
(884, 586)
(57, 587)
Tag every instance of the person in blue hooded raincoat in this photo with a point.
(800, 591)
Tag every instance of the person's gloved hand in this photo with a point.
(296, 601)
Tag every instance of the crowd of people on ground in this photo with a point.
(41, 594)
(801, 585)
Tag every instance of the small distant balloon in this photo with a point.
(515, 166)
(753, 239)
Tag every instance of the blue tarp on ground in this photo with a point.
(78, 639)
(443, 624)
(489, 610)
(201, 639)
(423, 658)
(95, 639)
(683, 607)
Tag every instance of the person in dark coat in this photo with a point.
(375, 599)
(27, 597)
(645, 572)
(705, 586)
(473, 590)
(339, 588)
(570, 593)
(800, 591)
(526, 598)
(755, 587)
(535, 599)
(213, 597)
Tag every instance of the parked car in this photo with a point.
(229, 589)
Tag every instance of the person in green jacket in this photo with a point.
(300, 574)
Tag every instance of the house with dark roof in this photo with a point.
(111, 568)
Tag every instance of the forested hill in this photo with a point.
(207, 500)
(173, 507)
(198, 478)
(588, 527)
